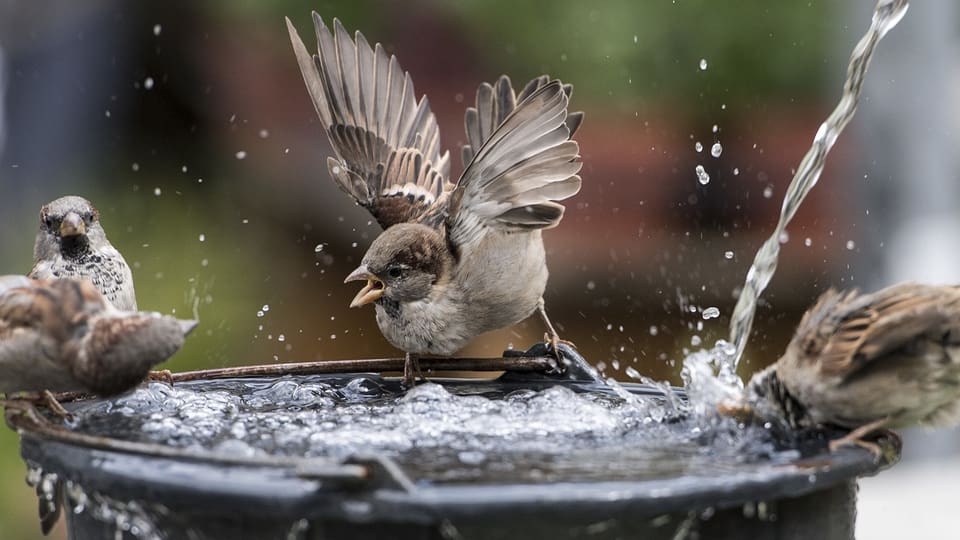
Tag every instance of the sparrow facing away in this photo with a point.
(63, 335)
(455, 259)
(71, 243)
(864, 362)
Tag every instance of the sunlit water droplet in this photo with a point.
(711, 313)
(703, 64)
(202, 237)
(698, 147)
(241, 154)
(157, 191)
(768, 192)
(157, 29)
(807, 242)
(728, 255)
(716, 150)
(851, 245)
(702, 175)
(318, 248)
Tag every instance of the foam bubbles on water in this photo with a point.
(439, 433)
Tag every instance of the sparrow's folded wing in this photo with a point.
(527, 162)
(52, 307)
(847, 333)
(387, 144)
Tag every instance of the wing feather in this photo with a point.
(369, 109)
(525, 162)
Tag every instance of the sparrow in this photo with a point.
(455, 259)
(63, 335)
(865, 362)
(72, 243)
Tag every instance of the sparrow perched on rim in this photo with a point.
(63, 335)
(71, 243)
(865, 362)
(455, 259)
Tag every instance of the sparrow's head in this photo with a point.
(403, 264)
(68, 224)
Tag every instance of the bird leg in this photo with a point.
(411, 369)
(552, 336)
(51, 402)
(163, 375)
(855, 438)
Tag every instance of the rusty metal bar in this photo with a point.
(514, 364)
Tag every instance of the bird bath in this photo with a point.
(351, 455)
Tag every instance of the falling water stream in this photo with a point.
(886, 15)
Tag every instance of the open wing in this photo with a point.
(387, 144)
(519, 160)
(846, 332)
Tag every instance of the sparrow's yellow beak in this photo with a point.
(369, 293)
(72, 225)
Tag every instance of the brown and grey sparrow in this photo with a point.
(63, 335)
(455, 259)
(868, 361)
(71, 243)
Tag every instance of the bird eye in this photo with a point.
(394, 272)
(48, 221)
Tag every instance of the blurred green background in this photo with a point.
(188, 125)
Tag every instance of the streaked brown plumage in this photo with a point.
(865, 361)
(63, 335)
(455, 259)
(72, 243)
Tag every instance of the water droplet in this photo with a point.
(711, 313)
(157, 29)
(851, 245)
(768, 192)
(241, 154)
(635, 39)
(135, 166)
(632, 373)
(695, 340)
(281, 337)
(653, 330)
(702, 175)
(263, 134)
(260, 313)
(591, 285)
(698, 147)
(716, 150)
(715, 128)
(266, 307)
(784, 237)
(202, 237)
(157, 191)
(703, 64)
(148, 83)
(318, 248)
(728, 255)
(736, 171)
(807, 242)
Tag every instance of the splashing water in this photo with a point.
(886, 15)
(442, 434)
